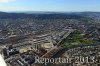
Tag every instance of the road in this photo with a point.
(57, 48)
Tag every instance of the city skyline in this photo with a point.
(50, 5)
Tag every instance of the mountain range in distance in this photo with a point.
(47, 14)
(51, 12)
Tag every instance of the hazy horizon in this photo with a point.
(49, 11)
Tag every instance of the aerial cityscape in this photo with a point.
(49, 33)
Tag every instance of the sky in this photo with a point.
(50, 5)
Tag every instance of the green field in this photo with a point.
(77, 38)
